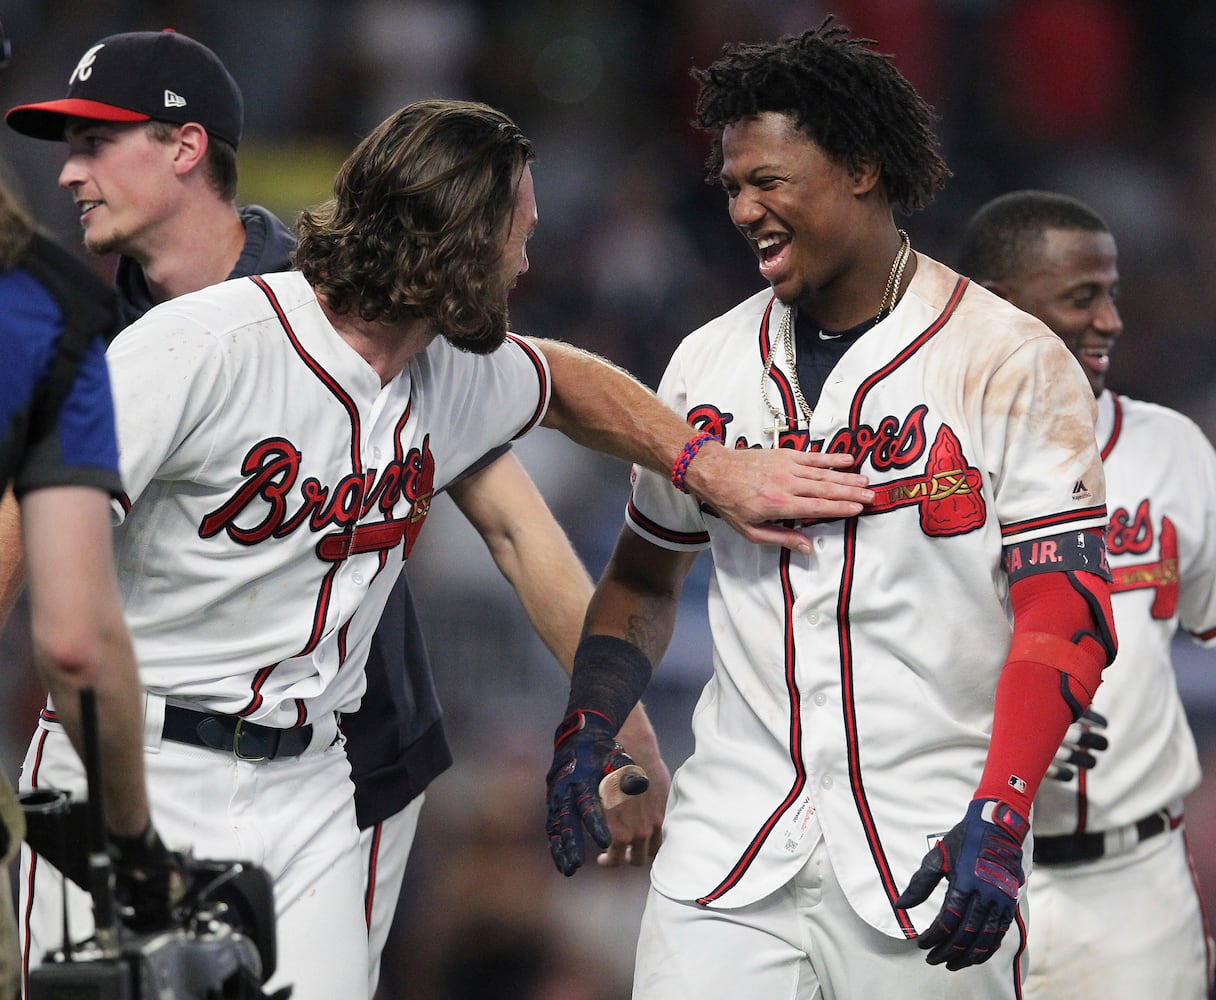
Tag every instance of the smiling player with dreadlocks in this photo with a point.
(870, 701)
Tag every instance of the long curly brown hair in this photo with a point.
(845, 96)
(416, 226)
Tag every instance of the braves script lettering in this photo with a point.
(888, 445)
(1130, 534)
(270, 504)
(1134, 535)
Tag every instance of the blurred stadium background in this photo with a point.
(1111, 100)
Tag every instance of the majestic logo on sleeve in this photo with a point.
(273, 502)
(1132, 534)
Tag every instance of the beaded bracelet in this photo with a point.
(680, 469)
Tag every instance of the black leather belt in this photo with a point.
(1071, 848)
(247, 740)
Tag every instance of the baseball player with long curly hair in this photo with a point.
(281, 438)
(1116, 911)
(875, 728)
(156, 183)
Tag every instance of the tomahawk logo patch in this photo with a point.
(949, 493)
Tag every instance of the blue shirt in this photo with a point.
(78, 447)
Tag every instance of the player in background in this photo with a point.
(58, 452)
(1116, 913)
(869, 700)
(158, 185)
(282, 438)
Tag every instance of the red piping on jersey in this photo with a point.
(1061, 519)
(1116, 430)
(778, 377)
(1016, 964)
(1203, 913)
(1083, 774)
(852, 741)
(542, 377)
(352, 412)
(677, 537)
(848, 707)
(259, 679)
(795, 744)
(373, 860)
(31, 876)
(907, 352)
(324, 377)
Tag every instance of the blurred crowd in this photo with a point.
(1110, 100)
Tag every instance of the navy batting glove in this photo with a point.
(586, 757)
(981, 858)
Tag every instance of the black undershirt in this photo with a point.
(818, 356)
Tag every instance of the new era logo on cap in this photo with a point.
(142, 76)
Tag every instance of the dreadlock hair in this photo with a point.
(415, 227)
(848, 99)
(1004, 236)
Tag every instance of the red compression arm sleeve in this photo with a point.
(1036, 700)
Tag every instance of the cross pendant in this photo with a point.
(777, 429)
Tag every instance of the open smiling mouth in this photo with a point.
(1096, 359)
(772, 250)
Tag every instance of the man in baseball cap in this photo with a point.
(142, 76)
(151, 122)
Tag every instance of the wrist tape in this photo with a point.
(609, 677)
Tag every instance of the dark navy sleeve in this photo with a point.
(80, 447)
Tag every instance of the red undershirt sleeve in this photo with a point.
(1063, 637)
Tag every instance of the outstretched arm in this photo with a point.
(533, 553)
(600, 406)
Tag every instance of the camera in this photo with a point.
(220, 947)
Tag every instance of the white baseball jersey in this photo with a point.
(283, 486)
(857, 682)
(275, 489)
(1130, 924)
(1161, 542)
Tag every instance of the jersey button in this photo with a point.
(813, 618)
(358, 578)
(821, 699)
(826, 781)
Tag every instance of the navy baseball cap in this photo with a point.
(142, 76)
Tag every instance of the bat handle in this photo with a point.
(611, 792)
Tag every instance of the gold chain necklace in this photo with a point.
(785, 342)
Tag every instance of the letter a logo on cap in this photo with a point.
(84, 68)
(173, 100)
